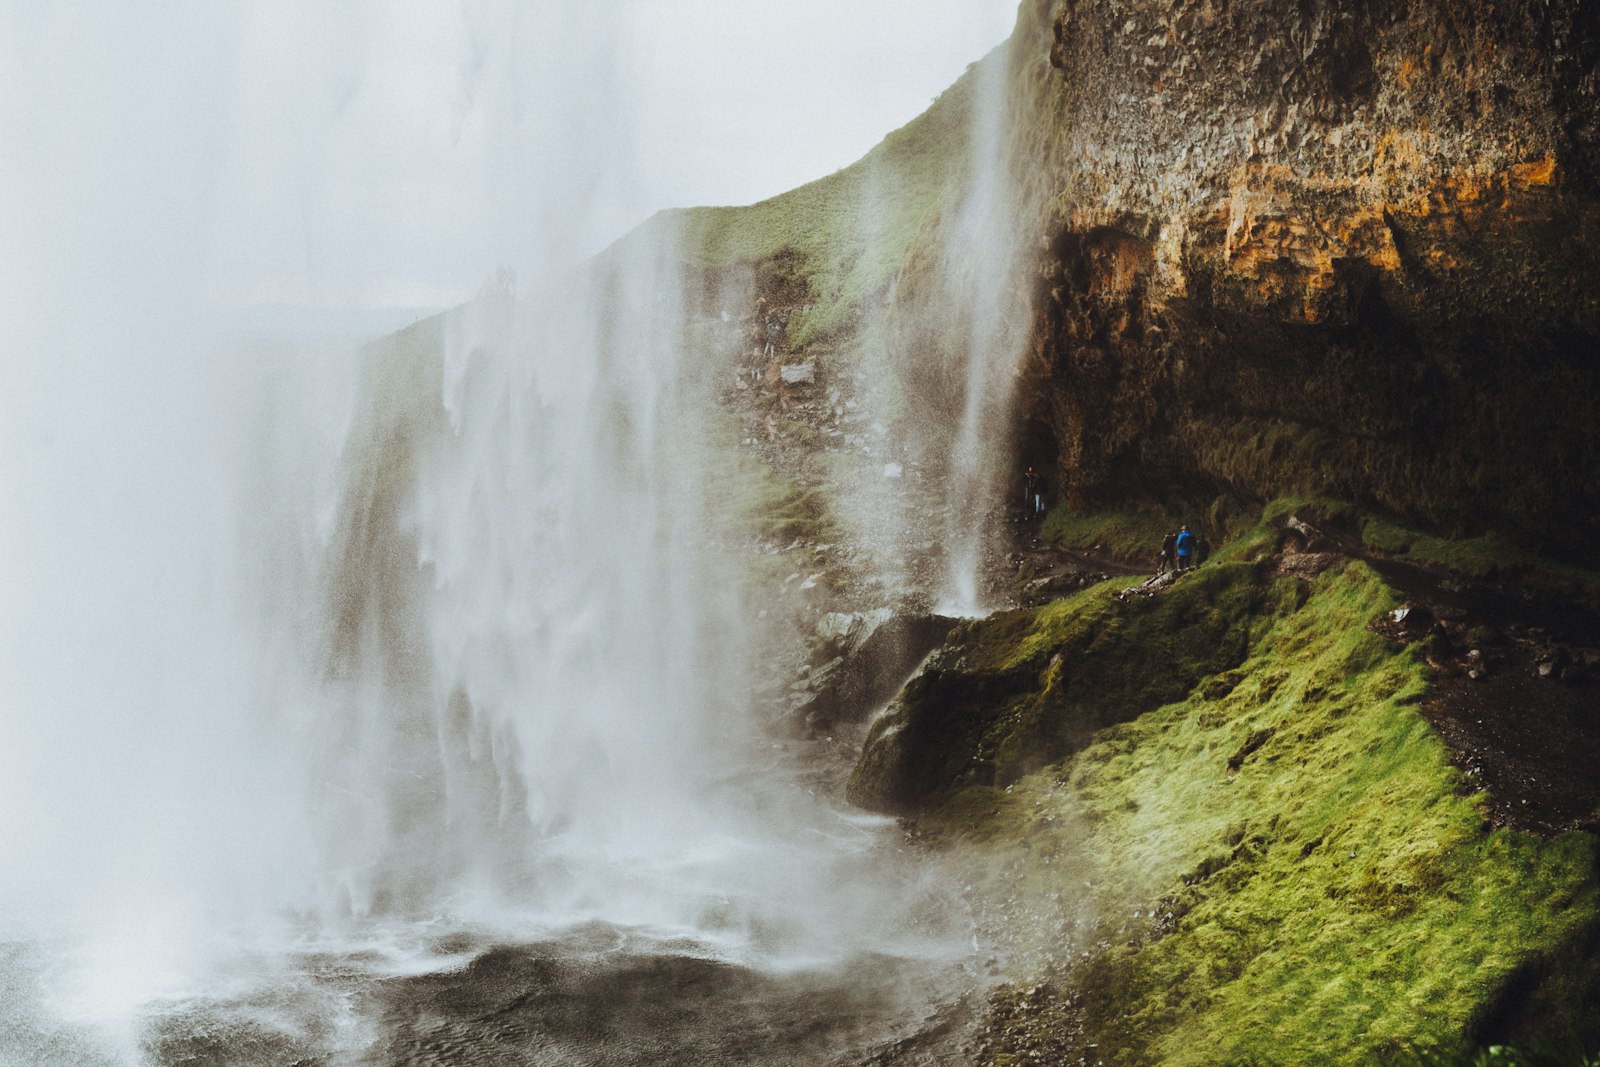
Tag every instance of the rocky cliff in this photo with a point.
(1263, 247)
(1299, 245)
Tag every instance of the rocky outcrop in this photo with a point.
(1009, 694)
(1308, 246)
(872, 655)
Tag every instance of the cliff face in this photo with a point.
(1346, 248)
(1263, 247)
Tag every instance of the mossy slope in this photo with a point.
(1018, 690)
(1277, 861)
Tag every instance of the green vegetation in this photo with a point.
(1337, 896)
(1485, 556)
(1135, 536)
(1243, 839)
(1491, 554)
(1476, 557)
(1027, 687)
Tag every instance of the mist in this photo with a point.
(308, 645)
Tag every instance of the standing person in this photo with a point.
(1169, 548)
(1033, 490)
(1185, 547)
(1202, 550)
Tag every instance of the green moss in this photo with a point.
(1135, 536)
(1477, 557)
(1488, 555)
(1023, 688)
(1276, 856)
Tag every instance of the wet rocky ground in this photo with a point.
(580, 1001)
(554, 1005)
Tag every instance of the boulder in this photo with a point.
(878, 651)
(1413, 619)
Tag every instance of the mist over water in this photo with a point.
(541, 689)
(377, 655)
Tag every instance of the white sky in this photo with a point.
(393, 152)
(773, 93)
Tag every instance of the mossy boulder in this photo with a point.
(1010, 693)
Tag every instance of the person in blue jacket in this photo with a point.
(1185, 548)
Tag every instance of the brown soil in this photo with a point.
(1516, 695)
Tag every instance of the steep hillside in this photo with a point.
(1228, 818)
(831, 248)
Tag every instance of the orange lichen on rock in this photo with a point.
(1539, 172)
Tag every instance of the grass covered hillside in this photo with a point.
(834, 244)
(1220, 822)
(843, 237)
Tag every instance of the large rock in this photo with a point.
(876, 653)
(1303, 246)
(1006, 695)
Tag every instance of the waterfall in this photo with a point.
(524, 660)
(981, 282)
(322, 650)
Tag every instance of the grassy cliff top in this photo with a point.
(841, 238)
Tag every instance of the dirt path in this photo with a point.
(1516, 683)
(1039, 570)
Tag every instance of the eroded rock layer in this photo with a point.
(1347, 248)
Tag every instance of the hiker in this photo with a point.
(1202, 550)
(1033, 490)
(1185, 546)
(1169, 548)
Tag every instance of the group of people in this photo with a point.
(1182, 551)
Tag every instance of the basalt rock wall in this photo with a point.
(1288, 246)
